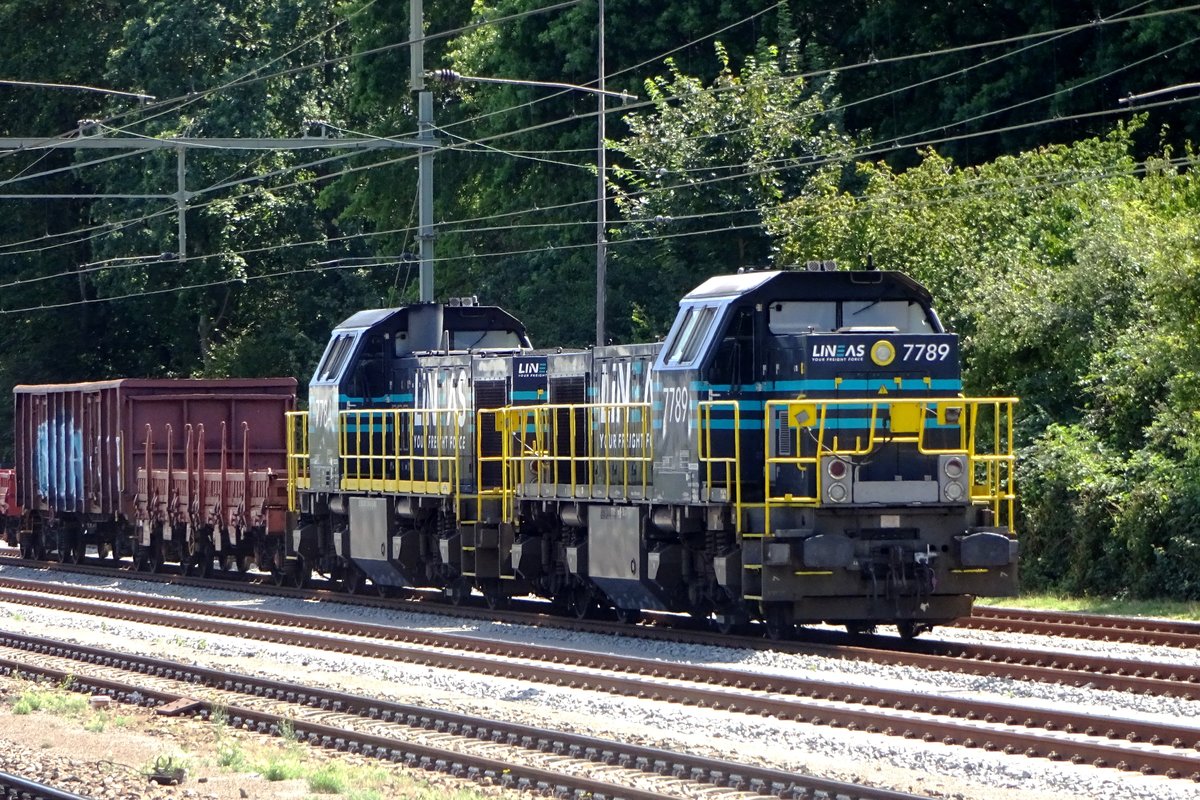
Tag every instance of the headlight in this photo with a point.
(953, 467)
(837, 492)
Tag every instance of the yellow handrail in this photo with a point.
(297, 455)
(732, 483)
(585, 450)
(906, 423)
(417, 450)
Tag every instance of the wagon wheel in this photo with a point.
(199, 565)
(31, 547)
(910, 629)
(293, 573)
(154, 557)
(731, 619)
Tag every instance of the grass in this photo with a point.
(274, 760)
(1119, 606)
(60, 702)
(329, 778)
(57, 702)
(101, 720)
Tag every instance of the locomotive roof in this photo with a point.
(795, 284)
(453, 317)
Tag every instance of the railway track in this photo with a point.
(1037, 732)
(1065, 624)
(518, 756)
(1058, 668)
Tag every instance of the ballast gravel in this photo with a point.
(905, 765)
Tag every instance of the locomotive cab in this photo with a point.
(390, 410)
(368, 363)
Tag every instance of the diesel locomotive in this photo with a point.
(797, 449)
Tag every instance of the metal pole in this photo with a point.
(601, 196)
(416, 46)
(425, 178)
(181, 199)
(425, 138)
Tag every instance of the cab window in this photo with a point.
(689, 334)
(904, 316)
(335, 357)
(802, 316)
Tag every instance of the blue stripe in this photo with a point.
(528, 395)
(727, 425)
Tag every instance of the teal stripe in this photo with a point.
(528, 395)
(727, 425)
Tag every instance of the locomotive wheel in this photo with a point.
(629, 616)
(457, 591)
(779, 621)
(355, 581)
(581, 602)
(493, 595)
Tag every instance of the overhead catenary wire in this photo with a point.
(271, 248)
(1029, 184)
(285, 170)
(716, 89)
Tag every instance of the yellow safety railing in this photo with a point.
(405, 450)
(491, 490)
(988, 449)
(730, 482)
(593, 450)
(401, 450)
(297, 455)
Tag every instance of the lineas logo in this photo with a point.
(883, 353)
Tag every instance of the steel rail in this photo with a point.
(18, 788)
(988, 725)
(1072, 669)
(1075, 625)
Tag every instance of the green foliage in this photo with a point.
(1071, 274)
(702, 169)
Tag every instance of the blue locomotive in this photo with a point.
(796, 450)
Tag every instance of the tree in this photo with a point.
(702, 169)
